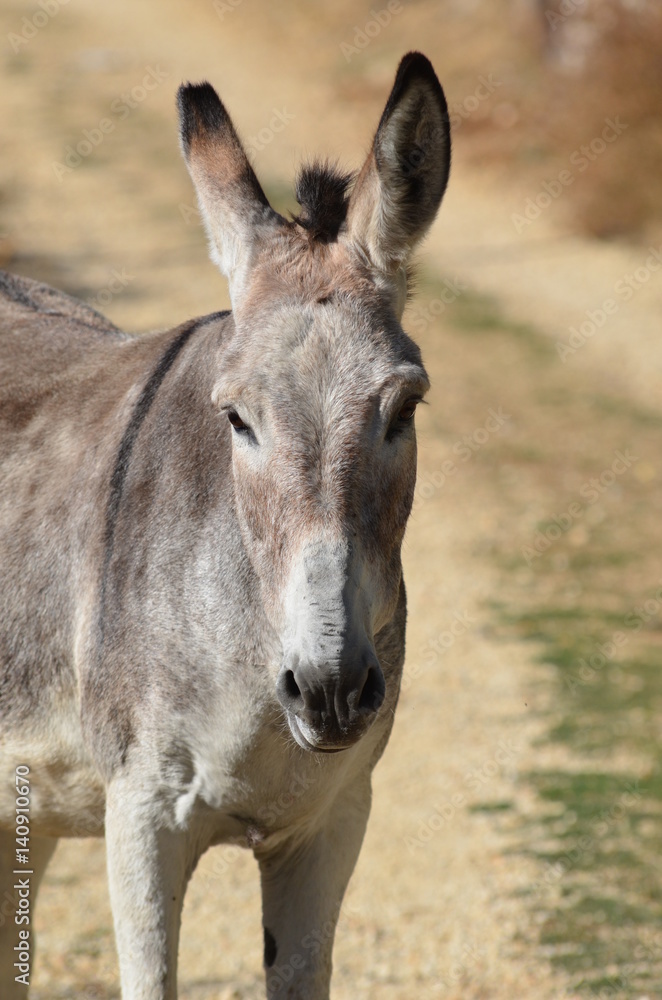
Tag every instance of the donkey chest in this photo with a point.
(267, 789)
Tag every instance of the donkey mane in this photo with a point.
(322, 192)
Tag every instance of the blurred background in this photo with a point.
(516, 841)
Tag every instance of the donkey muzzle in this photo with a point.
(329, 707)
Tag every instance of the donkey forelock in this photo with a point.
(321, 191)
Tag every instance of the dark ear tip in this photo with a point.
(200, 111)
(197, 94)
(415, 66)
(415, 62)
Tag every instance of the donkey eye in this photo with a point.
(403, 416)
(236, 421)
(408, 410)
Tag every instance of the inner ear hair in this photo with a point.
(402, 182)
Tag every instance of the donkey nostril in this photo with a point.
(373, 692)
(290, 686)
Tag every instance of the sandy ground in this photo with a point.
(438, 904)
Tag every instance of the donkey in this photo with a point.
(202, 612)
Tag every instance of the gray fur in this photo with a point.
(202, 607)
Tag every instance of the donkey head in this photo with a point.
(319, 387)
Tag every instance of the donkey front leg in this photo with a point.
(149, 865)
(303, 885)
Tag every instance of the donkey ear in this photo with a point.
(401, 184)
(234, 208)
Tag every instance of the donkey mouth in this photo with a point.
(308, 739)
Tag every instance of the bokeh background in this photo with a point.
(515, 847)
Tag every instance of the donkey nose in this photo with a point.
(330, 706)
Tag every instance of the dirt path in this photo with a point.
(609, 294)
(443, 901)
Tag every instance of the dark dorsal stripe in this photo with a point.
(140, 411)
(52, 304)
(15, 290)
